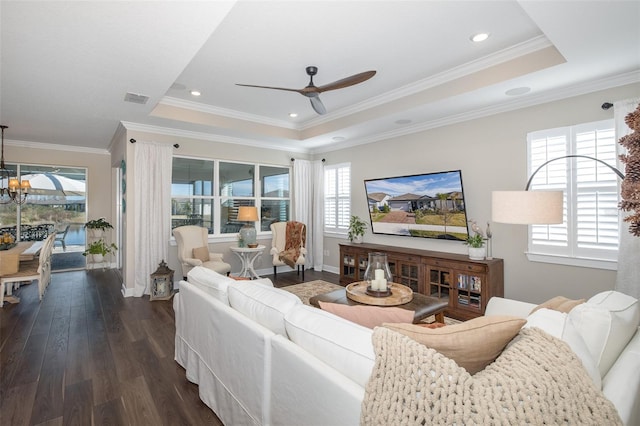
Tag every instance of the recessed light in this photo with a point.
(517, 91)
(195, 93)
(403, 121)
(293, 114)
(477, 38)
(337, 138)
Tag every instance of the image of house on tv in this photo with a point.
(427, 205)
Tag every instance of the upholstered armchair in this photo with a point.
(288, 245)
(193, 250)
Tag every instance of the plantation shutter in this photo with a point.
(545, 146)
(337, 202)
(596, 192)
(591, 194)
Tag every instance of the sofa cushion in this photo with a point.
(201, 253)
(369, 316)
(606, 322)
(341, 344)
(473, 344)
(560, 304)
(559, 325)
(263, 304)
(210, 282)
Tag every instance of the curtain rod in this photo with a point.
(293, 159)
(175, 145)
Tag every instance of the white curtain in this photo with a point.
(628, 275)
(152, 207)
(308, 207)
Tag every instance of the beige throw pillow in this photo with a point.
(201, 253)
(473, 344)
(560, 304)
(369, 316)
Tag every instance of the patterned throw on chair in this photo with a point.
(295, 239)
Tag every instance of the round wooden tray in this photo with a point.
(400, 294)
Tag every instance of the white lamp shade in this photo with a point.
(527, 207)
(247, 214)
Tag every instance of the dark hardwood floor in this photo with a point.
(85, 355)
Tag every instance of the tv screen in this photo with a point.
(429, 205)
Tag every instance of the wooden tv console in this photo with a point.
(467, 284)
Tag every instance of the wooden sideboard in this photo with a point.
(467, 284)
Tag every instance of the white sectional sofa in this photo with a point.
(261, 357)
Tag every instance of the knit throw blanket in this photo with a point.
(536, 380)
(295, 239)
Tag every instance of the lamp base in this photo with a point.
(248, 234)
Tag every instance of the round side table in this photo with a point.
(248, 256)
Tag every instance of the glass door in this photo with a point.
(56, 204)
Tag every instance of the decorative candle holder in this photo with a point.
(378, 275)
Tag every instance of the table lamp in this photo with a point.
(248, 214)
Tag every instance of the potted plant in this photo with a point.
(97, 227)
(357, 228)
(476, 247)
(99, 249)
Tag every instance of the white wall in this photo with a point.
(491, 152)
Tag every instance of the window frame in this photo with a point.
(337, 230)
(604, 256)
(217, 199)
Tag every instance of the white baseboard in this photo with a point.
(126, 291)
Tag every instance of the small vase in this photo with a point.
(98, 258)
(357, 239)
(477, 253)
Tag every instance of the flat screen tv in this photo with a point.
(429, 205)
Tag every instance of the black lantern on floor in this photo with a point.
(161, 283)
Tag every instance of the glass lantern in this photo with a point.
(378, 275)
(162, 283)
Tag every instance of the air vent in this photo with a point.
(136, 98)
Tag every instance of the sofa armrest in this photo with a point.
(621, 384)
(192, 261)
(274, 251)
(502, 306)
(216, 256)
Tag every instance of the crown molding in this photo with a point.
(516, 104)
(513, 52)
(168, 131)
(56, 147)
(224, 112)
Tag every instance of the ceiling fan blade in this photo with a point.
(346, 82)
(269, 87)
(317, 105)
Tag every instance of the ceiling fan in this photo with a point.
(313, 92)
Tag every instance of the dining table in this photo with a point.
(23, 251)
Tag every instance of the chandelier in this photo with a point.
(15, 190)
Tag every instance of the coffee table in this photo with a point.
(424, 306)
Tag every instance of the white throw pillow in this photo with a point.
(559, 325)
(210, 282)
(263, 304)
(340, 343)
(606, 322)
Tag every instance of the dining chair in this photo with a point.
(29, 271)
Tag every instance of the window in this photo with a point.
(337, 198)
(589, 234)
(208, 193)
